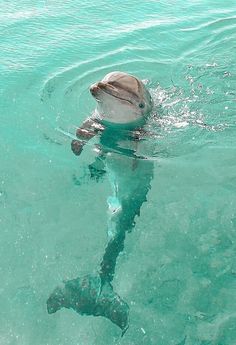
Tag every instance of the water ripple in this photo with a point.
(218, 24)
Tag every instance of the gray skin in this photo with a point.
(122, 100)
(123, 104)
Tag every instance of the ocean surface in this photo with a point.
(178, 268)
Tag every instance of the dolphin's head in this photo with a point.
(122, 98)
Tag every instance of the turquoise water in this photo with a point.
(178, 269)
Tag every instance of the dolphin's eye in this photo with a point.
(141, 105)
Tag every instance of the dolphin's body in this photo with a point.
(123, 106)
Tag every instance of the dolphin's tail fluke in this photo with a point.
(88, 295)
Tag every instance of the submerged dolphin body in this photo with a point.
(123, 104)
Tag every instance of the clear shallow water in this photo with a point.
(178, 269)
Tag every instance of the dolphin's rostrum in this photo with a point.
(123, 104)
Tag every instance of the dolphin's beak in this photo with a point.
(110, 90)
(94, 89)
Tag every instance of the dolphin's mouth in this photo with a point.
(116, 96)
(110, 90)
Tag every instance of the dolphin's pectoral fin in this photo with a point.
(96, 174)
(88, 296)
(97, 169)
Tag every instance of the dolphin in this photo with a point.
(123, 106)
